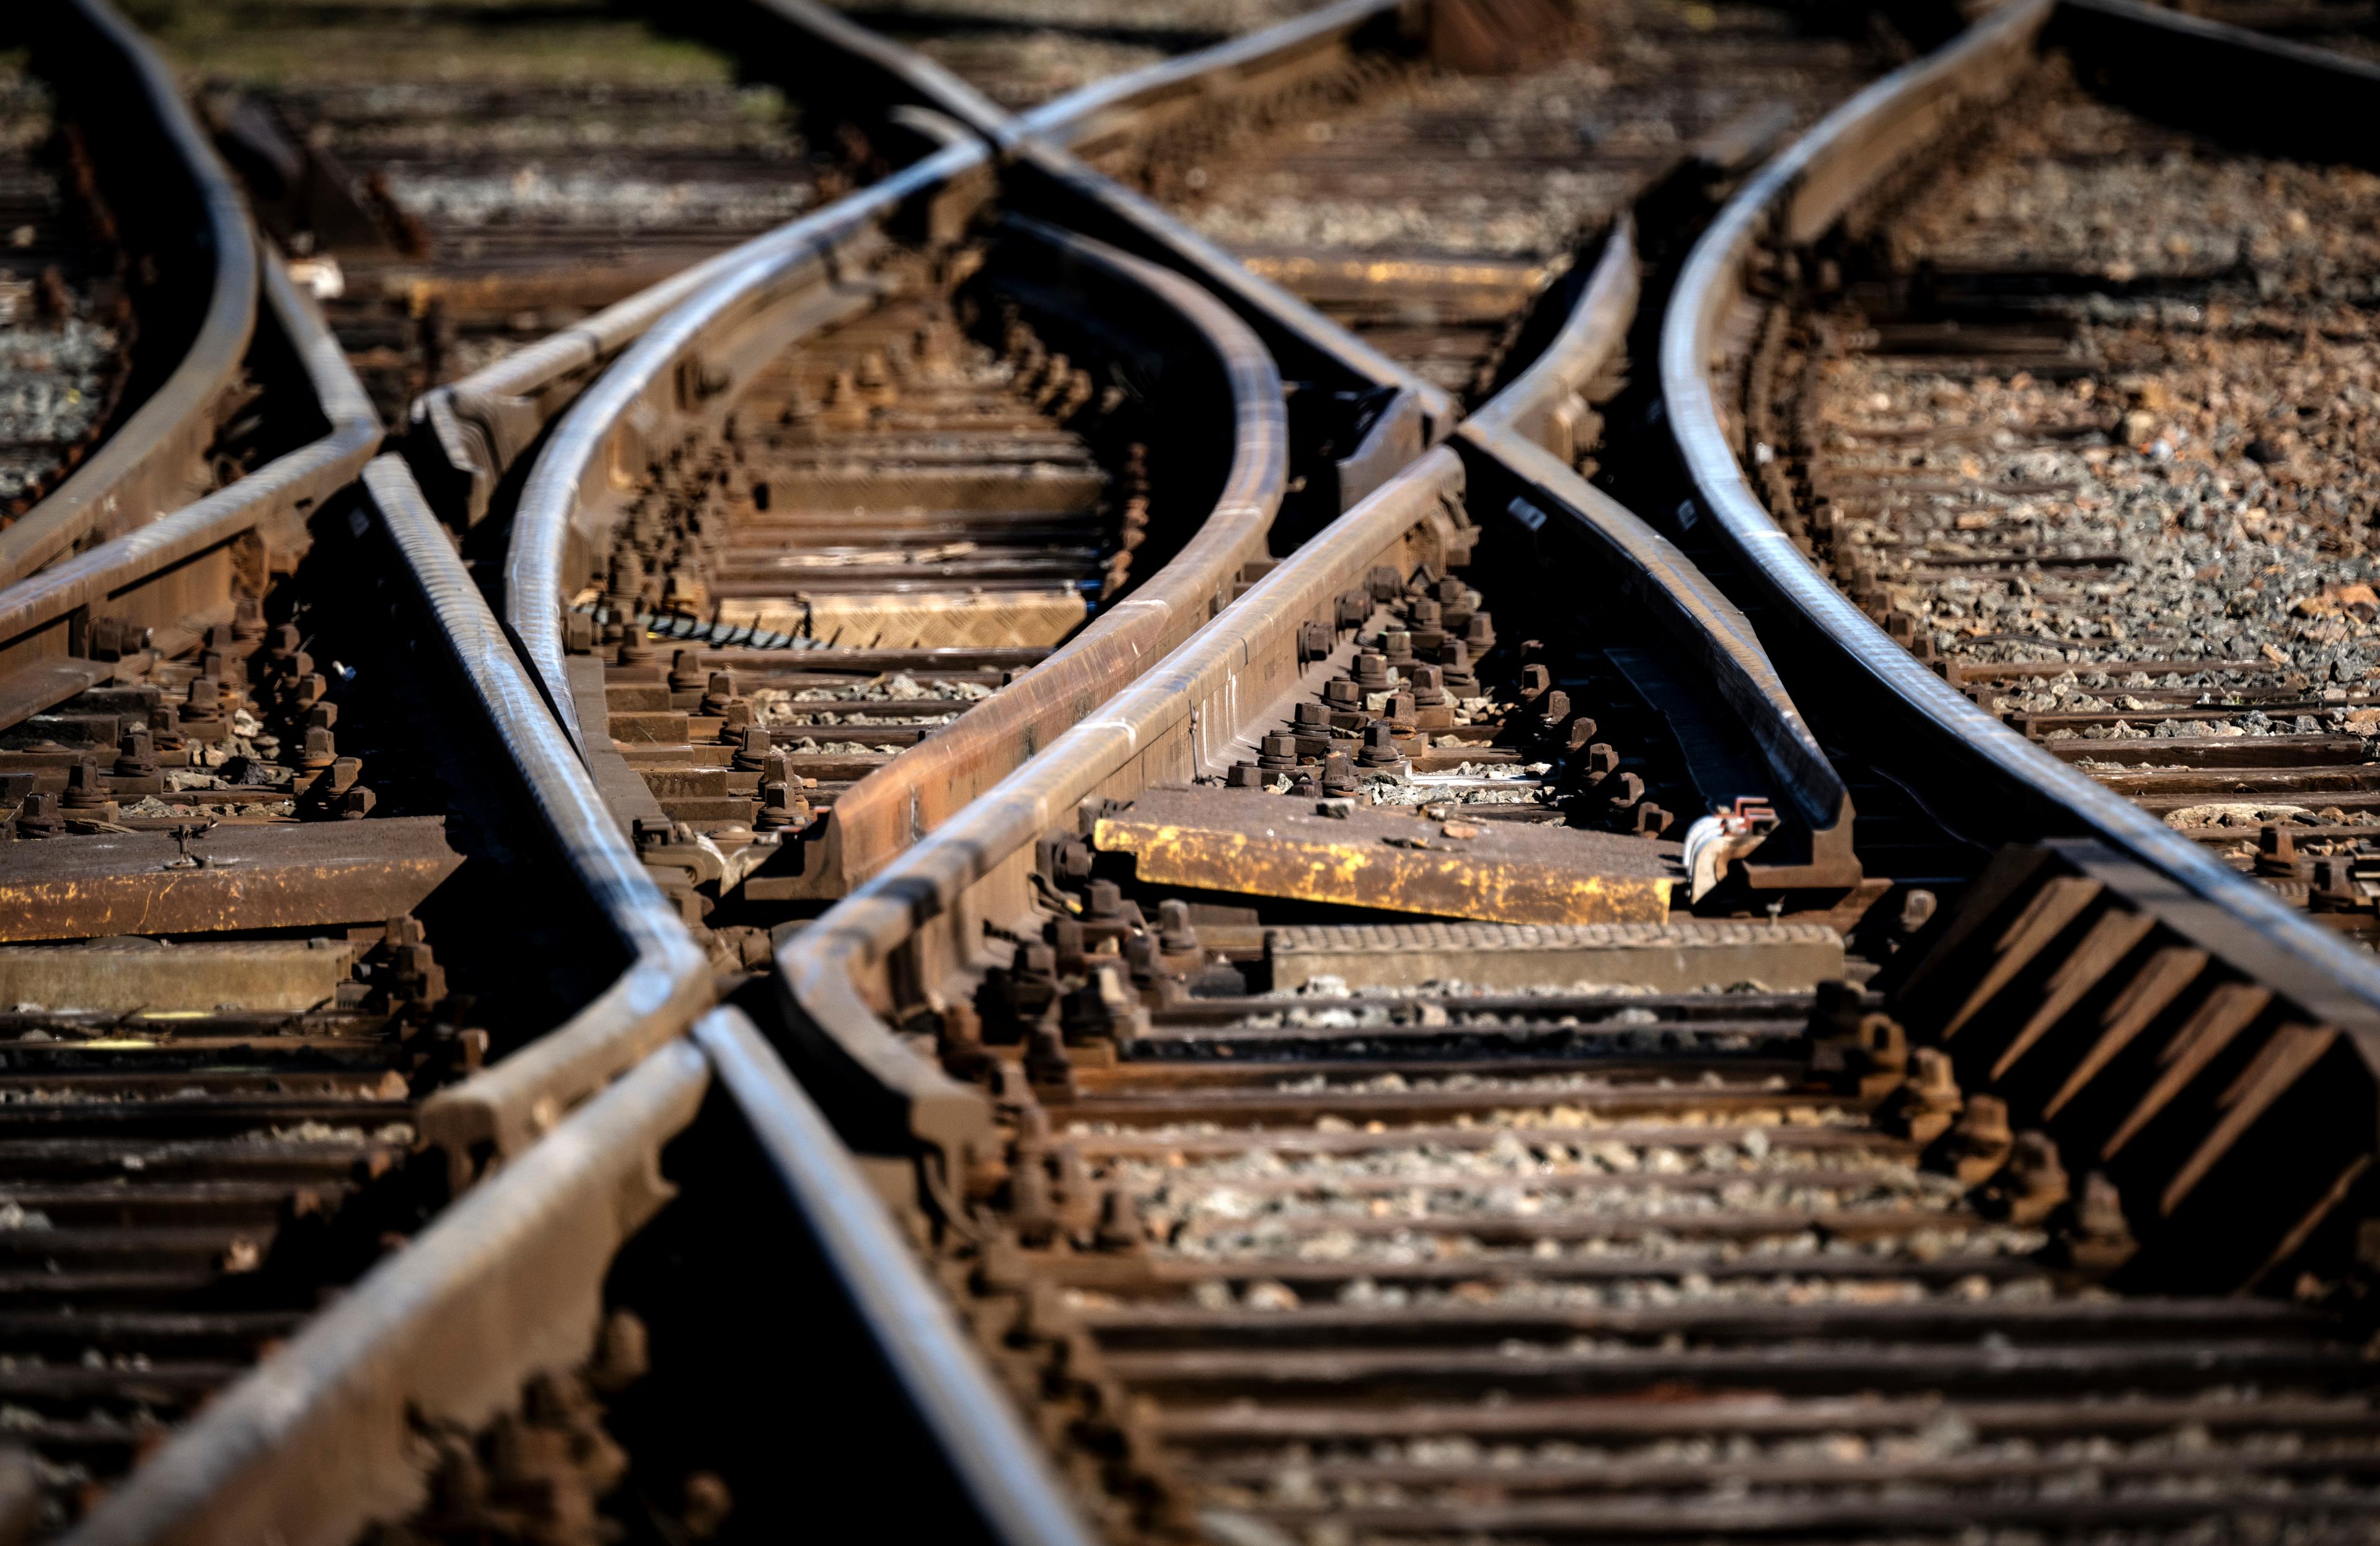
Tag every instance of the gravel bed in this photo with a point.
(1520, 165)
(1508, 1159)
(2204, 489)
(56, 366)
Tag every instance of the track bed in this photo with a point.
(464, 179)
(2098, 451)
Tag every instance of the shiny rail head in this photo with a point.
(1749, 255)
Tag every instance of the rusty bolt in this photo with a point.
(2334, 887)
(1977, 1144)
(1423, 614)
(1310, 714)
(321, 751)
(1917, 909)
(247, 617)
(1601, 761)
(84, 790)
(1342, 693)
(1651, 819)
(1428, 690)
(355, 804)
(1175, 934)
(1379, 747)
(165, 729)
(1372, 672)
(38, 817)
(2276, 853)
(133, 757)
(2029, 1187)
(1628, 789)
(1397, 645)
(1277, 753)
(1350, 608)
(1479, 633)
(686, 674)
(1338, 775)
(1245, 775)
(1535, 682)
(1104, 902)
(1383, 583)
(1922, 1107)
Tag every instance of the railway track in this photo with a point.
(460, 180)
(128, 294)
(226, 984)
(1024, 54)
(1424, 181)
(1285, 1213)
(1278, 1215)
(1330, 1085)
(2104, 486)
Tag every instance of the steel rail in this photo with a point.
(715, 334)
(500, 1111)
(1793, 203)
(883, 812)
(888, 945)
(155, 458)
(783, 286)
(1051, 146)
(1539, 426)
(508, 1284)
(154, 577)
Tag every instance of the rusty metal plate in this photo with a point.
(1691, 956)
(1275, 846)
(304, 875)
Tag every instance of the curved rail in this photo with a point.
(1191, 715)
(1793, 203)
(150, 581)
(156, 459)
(731, 330)
(883, 812)
(780, 287)
(507, 1283)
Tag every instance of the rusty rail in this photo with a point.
(1792, 203)
(508, 1286)
(804, 276)
(156, 457)
(153, 581)
(883, 812)
(501, 1110)
(887, 944)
